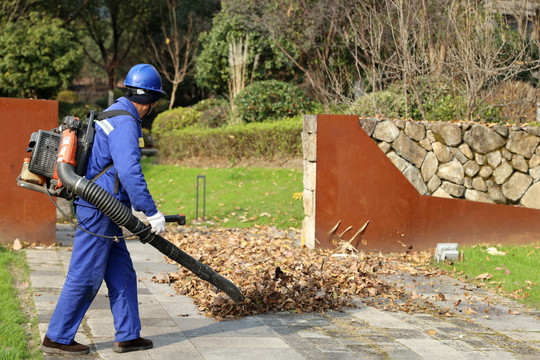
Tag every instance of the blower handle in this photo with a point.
(180, 219)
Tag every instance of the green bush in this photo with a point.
(440, 101)
(68, 96)
(270, 99)
(215, 112)
(278, 139)
(389, 103)
(210, 103)
(175, 119)
(78, 109)
(215, 117)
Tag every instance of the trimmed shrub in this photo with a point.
(270, 99)
(209, 103)
(215, 112)
(215, 117)
(175, 119)
(68, 96)
(270, 140)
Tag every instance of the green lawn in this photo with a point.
(15, 342)
(515, 274)
(235, 197)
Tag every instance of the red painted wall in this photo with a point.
(356, 182)
(24, 214)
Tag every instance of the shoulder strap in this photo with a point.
(112, 113)
(105, 169)
(100, 120)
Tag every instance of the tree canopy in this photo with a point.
(38, 57)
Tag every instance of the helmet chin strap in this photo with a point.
(152, 106)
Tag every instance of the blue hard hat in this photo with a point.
(144, 76)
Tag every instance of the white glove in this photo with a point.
(157, 221)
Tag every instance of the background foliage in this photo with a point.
(425, 60)
(271, 140)
(271, 99)
(37, 57)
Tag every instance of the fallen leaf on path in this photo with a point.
(469, 311)
(162, 277)
(308, 280)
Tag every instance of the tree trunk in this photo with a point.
(110, 86)
(173, 94)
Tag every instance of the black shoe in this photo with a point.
(133, 345)
(53, 347)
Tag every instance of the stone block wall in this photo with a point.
(309, 150)
(492, 164)
(486, 163)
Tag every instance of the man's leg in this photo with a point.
(85, 275)
(121, 281)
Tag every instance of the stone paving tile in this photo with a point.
(243, 353)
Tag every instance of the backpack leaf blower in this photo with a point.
(56, 167)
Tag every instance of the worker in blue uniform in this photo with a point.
(117, 144)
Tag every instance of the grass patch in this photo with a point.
(513, 275)
(235, 197)
(18, 329)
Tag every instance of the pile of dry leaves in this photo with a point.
(275, 275)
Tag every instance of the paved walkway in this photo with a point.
(487, 327)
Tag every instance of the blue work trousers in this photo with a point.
(93, 260)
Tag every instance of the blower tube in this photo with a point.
(122, 215)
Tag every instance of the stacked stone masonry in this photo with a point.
(309, 150)
(471, 161)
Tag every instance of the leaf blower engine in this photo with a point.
(57, 166)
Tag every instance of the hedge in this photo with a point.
(271, 140)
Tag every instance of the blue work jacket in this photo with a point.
(119, 140)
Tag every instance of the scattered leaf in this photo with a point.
(469, 311)
(484, 276)
(162, 277)
(494, 252)
(17, 245)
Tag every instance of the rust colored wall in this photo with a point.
(356, 182)
(24, 214)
